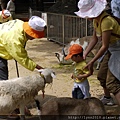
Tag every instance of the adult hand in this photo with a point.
(72, 76)
(90, 67)
(39, 67)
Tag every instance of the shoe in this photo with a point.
(107, 101)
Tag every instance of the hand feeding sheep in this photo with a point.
(18, 92)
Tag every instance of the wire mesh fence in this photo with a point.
(64, 28)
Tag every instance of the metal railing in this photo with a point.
(64, 28)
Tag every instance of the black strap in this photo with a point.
(116, 35)
(113, 34)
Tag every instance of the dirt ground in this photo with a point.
(42, 52)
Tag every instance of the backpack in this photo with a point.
(118, 20)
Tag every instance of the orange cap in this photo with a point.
(74, 49)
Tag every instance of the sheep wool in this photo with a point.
(19, 92)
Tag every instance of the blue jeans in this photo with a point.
(77, 93)
(3, 69)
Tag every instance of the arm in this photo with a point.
(91, 45)
(81, 73)
(18, 52)
(8, 6)
(80, 76)
(105, 44)
(38, 67)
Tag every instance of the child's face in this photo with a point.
(77, 58)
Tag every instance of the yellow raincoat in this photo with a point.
(12, 43)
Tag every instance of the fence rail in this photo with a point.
(64, 28)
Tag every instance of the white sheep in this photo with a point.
(18, 92)
(61, 59)
(84, 43)
(61, 56)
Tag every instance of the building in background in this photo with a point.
(22, 6)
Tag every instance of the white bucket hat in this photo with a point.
(37, 23)
(35, 27)
(90, 8)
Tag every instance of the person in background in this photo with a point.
(105, 27)
(11, 8)
(108, 7)
(0, 6)
(3, 4)
(14, 35)
(81, 86)
(115, 7)
(5, 16)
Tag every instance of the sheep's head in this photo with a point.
(48, 75)
(61, 59)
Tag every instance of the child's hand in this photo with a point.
(80, 77)
(73, 77)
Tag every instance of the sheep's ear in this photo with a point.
(77, 41)
(85, 45)
(57, 54)
(41, 70)
(53, 75)
(72, 42)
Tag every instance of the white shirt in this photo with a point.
(11, 6)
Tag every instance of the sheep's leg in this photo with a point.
(38, 108)
(22, 112)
